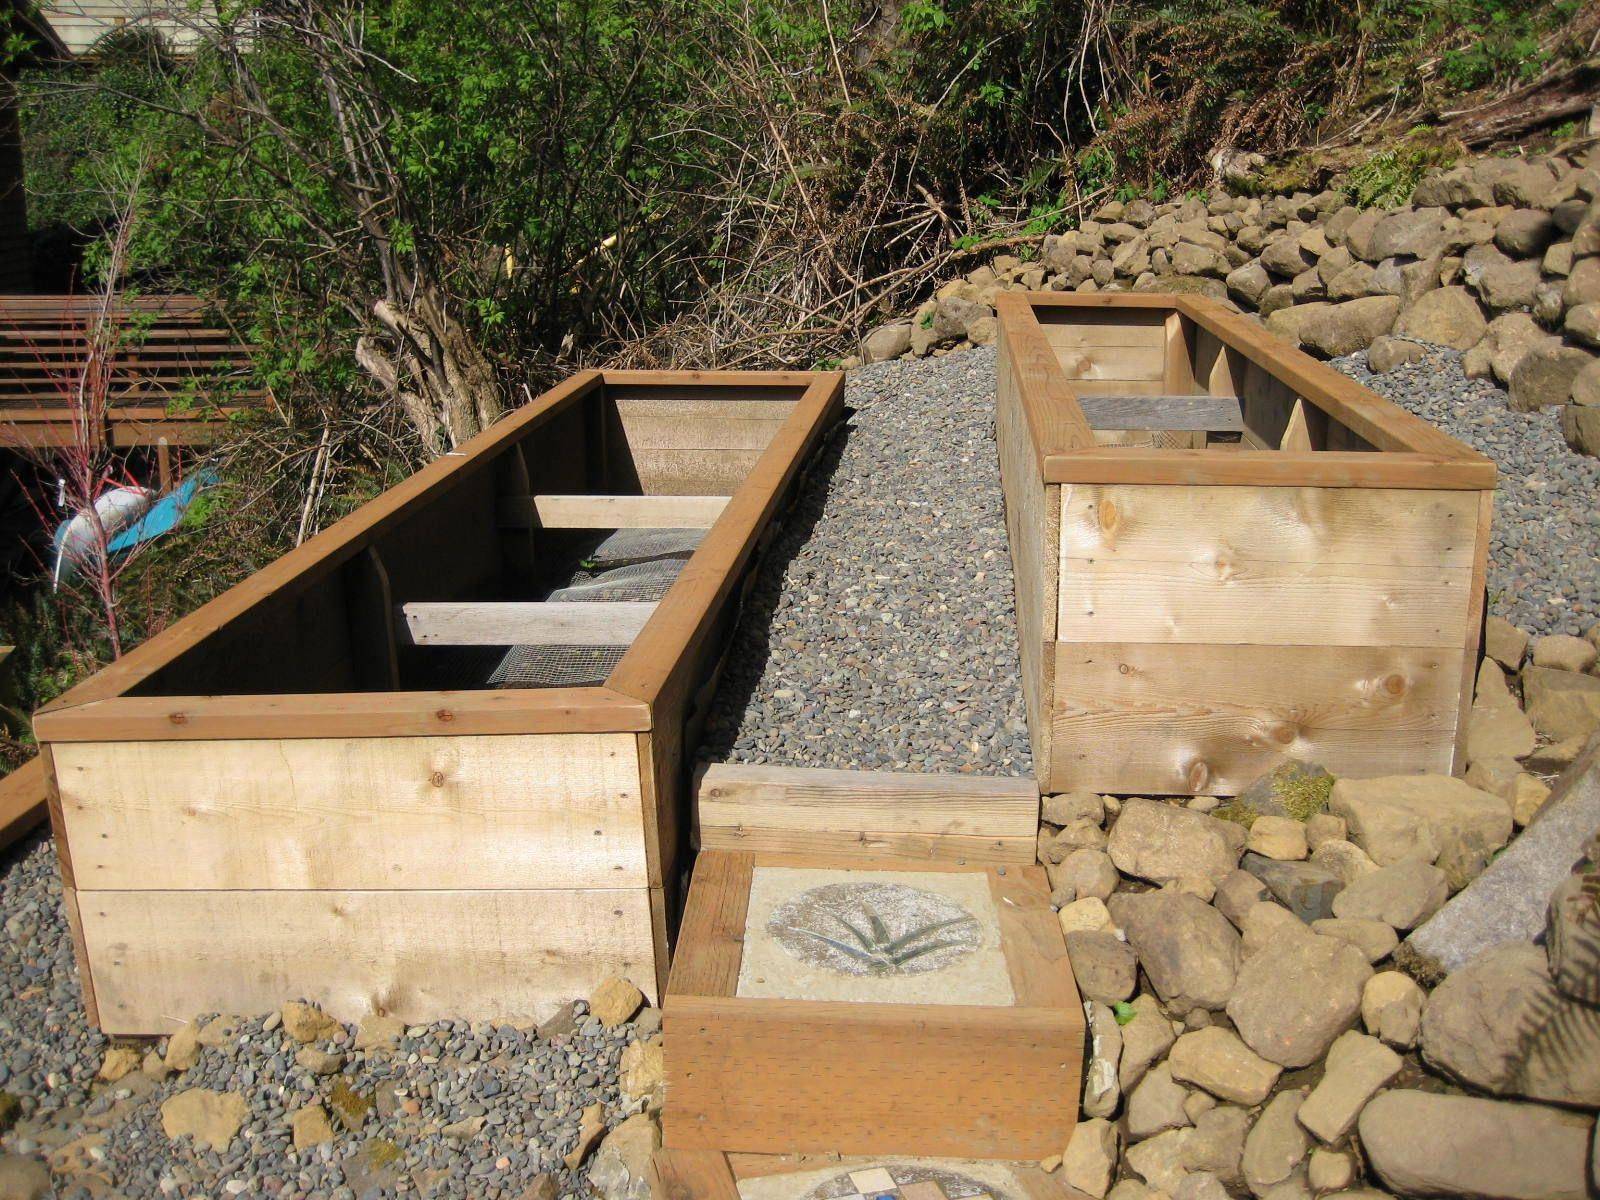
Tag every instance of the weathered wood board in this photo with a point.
(805, 810)
(161, 957)
(464, 813)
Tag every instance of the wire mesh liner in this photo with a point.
(555, 666)
(636, 581)
(465, 668)
(639, 545)
(628, 564)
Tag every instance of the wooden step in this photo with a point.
(870, 1006)
(809, 810)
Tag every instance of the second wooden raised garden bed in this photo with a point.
(1227, 553)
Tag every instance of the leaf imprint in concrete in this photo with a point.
(899, 937)
(874, 929)
(899, 1179)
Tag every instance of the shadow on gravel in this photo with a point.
(751, 645)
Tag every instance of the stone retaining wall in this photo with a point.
(1496, 257)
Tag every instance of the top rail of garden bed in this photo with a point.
(100, 708)
(1410, 452)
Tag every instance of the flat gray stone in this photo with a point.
(1306, 889)
(1507, 902)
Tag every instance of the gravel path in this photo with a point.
(880, 633)
(455, 1110)
(1544, 560)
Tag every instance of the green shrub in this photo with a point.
(1388, 177)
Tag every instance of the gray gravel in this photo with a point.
(527, 1091)
(1544, 561)
(880, 633)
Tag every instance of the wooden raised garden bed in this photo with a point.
(1227, 553)
(432, 762)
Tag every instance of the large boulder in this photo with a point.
(1162, 843)
(1391, 1008)
(1286, 257)
(1088, 872)
(1293, 788)
(1216, 1143)
(1448, 316)
(1145, 1038)
(954, 315)
(1458, 187)
(1191, 259)
(1583, 283)
(1399, 817)
(1497, 727)
(1307, 889)
(1352, 282)
(1265, 922)
(1387, 353)
(886, 342)
(1501, 283)
(1156, 1104)
(1287, 323)
(1582, 323)
(210, 1118)
(1159, 1160)
(1508, 902)
(24, 1178)
(1188, 949)
(1102, 1090)
(1580, 427)
(1357, 1067)
(1090, 1160)
(1561, 704)
(1296, 995)
(1563, 652)
(1217, 1060)
(1544, 376)
(1345, 859)
(1375, 939)
(1276, 1146)
(621, 1167)
(1505, 643)
(1415, 233)
(1247, 284)
(1403, 895)
(1340, 329)
(1238, 894)
(1524, 232)
(1510, 338)
(1103, 965)
(1424, 1144)
(1526, 183)
(1358, 238)
(1500, 1024)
